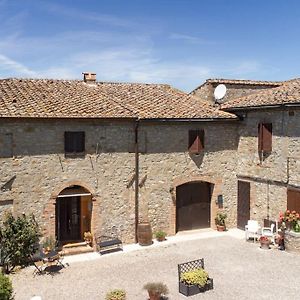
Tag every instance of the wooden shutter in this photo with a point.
(74, 142)
(196, 141)
(265, 137)
(79, 141)
(68, 142)
(293, 200)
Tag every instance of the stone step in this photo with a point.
(72, 245)
(77, 248)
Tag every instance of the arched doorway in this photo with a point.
(193, 205)
(73, 214)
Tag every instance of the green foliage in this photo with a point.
(220, 218)
(156, 288)
(19, 238)
(195, 277)
(49, 243)
(160, 235)
(116, 295)
(6, 290)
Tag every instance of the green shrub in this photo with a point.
(116, 295)
(19, 239)
(220, 218)
(6, 290)
(195, 277)
(156, 288)
(160, 234)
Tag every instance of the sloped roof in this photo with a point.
(45, 98)
(243, 81)
(250, 83)
(287, 93)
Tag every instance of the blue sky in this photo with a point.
(179, 42)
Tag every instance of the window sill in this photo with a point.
(75, 155)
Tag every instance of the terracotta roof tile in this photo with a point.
(45, 98)
(287, 93)
(242, 81)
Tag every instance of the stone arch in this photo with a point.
(217, 189)
(49, 218)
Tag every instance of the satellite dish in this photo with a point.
(220, 91)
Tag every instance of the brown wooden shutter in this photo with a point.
(293, 200)
(196, 141)
(68, 142)
(265, 137)
(74, 141)
(260, 137)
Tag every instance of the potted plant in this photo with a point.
(88, 237)
(116, 294)
(220, 221)
(160, 235)
(156, 290)
(195, 281)
(264, 242)
(49, 244)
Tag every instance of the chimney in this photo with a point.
(89, 77)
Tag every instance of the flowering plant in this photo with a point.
(291, 217)
(264, 239)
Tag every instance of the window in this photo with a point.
(265, 137)
(74, 143)
(196, 141)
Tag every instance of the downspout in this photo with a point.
(136, 145)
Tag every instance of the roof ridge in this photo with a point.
(80, 80)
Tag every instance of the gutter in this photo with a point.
(136, 206)
(283, 105)
(189, 120)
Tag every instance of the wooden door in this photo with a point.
(86, 211)
(193, 206)
(243, 204)
(68, 219)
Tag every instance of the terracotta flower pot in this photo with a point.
(154, 296)
(265, 245)
(221, 228)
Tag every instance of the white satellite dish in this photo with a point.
(220, 91)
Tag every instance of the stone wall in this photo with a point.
(42, 170)
(168, 164)
(271, 175)
(38, 170)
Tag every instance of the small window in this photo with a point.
(74, 143)
(265, 137)
(196, 141)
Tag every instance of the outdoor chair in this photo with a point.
(38, 262)
(252, 230)
(270, 232)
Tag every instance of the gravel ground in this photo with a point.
(241, 270)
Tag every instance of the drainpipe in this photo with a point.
(136, 144)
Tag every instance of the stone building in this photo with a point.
(101, 157)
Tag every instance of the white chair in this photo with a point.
(270, 232)
(252, 230)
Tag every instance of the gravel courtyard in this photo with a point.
(240, 270)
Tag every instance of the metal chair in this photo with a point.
(252, 230)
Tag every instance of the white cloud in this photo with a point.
(189, 38)
(14, 67)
